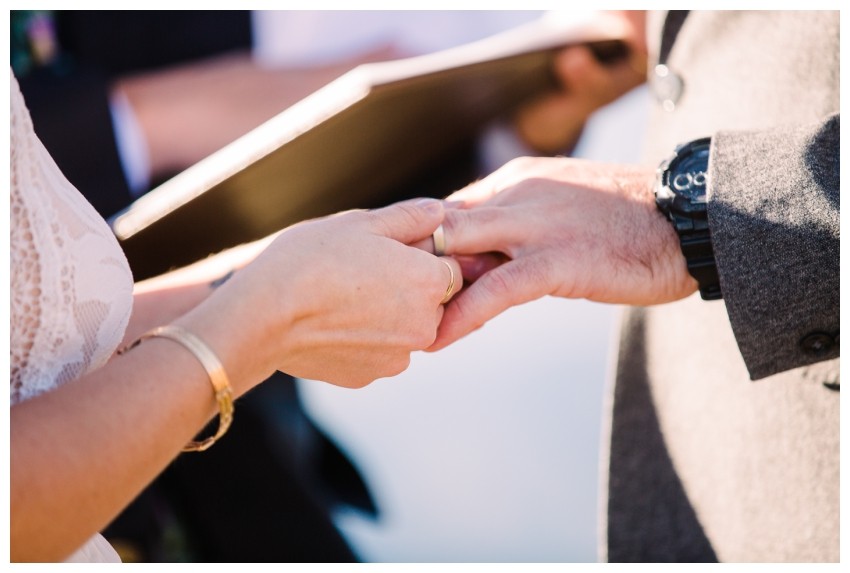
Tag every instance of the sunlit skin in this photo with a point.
(558, 226)
(324, 300)
(563, 227)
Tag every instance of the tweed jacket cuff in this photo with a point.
(774, 218)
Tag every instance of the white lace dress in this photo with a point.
(71, 287)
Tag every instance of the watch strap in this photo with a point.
(699, 255)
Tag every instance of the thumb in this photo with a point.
(408, 221)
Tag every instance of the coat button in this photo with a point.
(667, 87)
(817, 343)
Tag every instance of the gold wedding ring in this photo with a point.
(451, 283)
(440, 242)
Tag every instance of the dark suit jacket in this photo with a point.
(725, 415)
(68, 99)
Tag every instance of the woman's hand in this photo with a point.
(342, 299)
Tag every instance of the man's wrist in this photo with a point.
(681, 194)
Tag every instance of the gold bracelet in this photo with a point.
(215, 371)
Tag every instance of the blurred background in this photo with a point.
(488, 451)
(485, 452)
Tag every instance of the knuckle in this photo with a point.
(537, 272)
(397, 365)
(407, 215)
(500, 284)
(378, 223)
(424, 338)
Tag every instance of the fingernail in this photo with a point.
(430, 205)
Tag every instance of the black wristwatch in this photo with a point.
(680, 193)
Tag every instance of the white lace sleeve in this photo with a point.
(71, 287)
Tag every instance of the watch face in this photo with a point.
(687, 178)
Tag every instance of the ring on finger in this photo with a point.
(451, 283)
(439, 237)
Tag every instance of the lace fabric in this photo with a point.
(71, 286)
(95, 550)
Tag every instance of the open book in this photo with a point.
(380, 133)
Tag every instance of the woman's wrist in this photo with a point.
(246, 335)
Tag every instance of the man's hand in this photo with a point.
(563, 227)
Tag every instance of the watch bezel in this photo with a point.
(669, 200)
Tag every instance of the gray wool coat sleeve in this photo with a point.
(765, 86)
(774, 218)
(704, 465)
